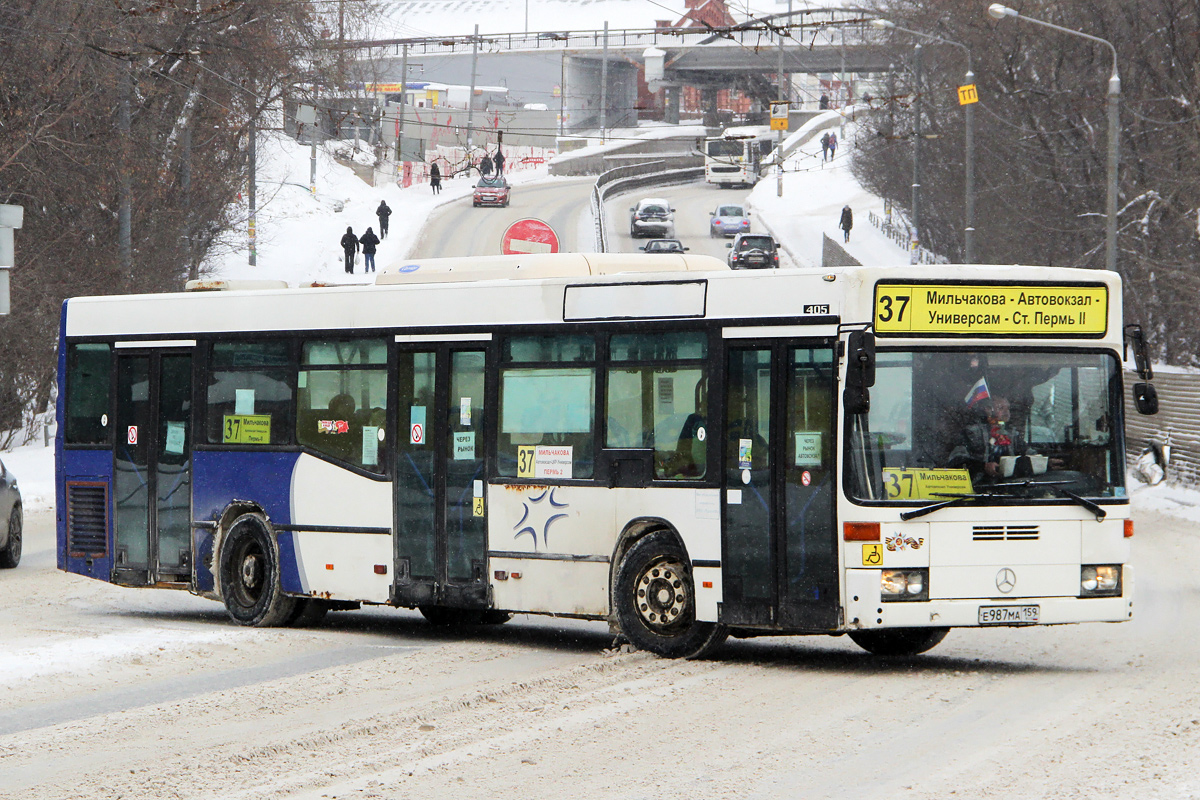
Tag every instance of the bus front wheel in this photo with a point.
(655, 601)
(899, 641)
(249, 571)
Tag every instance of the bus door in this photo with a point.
(779, 562)
(441, 475)
(152, 467)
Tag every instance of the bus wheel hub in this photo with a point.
(661, 594)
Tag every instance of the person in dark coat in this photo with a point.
(383, 212)
(368, 241)
(499, 161)
(832, 145)
(435, 178)
(485, 165)
(350, 248)
(846, 222)
(825, 146)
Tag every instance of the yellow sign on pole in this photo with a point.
(967, 95)
(779, 116)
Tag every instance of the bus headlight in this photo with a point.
(899, 585)
(1100, 580)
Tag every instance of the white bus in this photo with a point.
(735, 157)
(686, 452)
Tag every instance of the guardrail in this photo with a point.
(632, 176)
(901, 234)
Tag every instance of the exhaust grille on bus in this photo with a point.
(87, 519)
(1000, 533)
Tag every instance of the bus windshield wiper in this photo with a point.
(954, 498)
(1057, 487)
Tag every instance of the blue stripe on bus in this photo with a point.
(220, 477)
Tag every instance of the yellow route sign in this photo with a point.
(925, 484)
(991, 309)
(967, 95)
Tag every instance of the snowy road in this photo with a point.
(150, 694)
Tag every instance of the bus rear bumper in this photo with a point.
(864, 611)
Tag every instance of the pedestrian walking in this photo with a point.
(825, 146)
(832, 145)
(485, 165)
(383, 212)
(846, 222)
(435, 178)
(368, 241)
(499, 161)
(823, 103)
(350, 248)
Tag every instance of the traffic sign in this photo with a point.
(779, 116)
(968, 94)
(528, 236)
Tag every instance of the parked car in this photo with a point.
(11, 519)
(664, 246)
(652, 216)
(753, 251)
(491, 190)
(729, 220)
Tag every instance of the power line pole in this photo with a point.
(916, 179)
(471, 96)
(604, 86)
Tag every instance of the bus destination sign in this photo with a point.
(991, 309)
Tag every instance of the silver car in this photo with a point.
(729, 220)
(13, 521)
(652, 217)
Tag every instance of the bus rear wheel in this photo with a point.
(249, 572)
(655, 601)
(899, 641)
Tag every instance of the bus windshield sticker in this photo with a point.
(744, 454)
(926, 484)
(477, 488)
(370, 444)
(808, 448)
(545, 461)
(333, 426)
(464, 411)
(991, 310)
(243, 401)
(416, 425)
(464, 445)
(175, 438)
(526, 456)
(246, 429)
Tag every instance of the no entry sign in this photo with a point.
(528, 236)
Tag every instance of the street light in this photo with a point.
(969, 111)
(998, 11)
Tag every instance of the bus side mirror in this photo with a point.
(860, 372)
(1141, 356)
(1145, 397)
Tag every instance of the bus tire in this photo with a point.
(308, 613)
(654, 599)
(10, 556)
(899, 641)
(249, 571)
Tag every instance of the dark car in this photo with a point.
(11, 519)
(663, 246)
(491, 190)
(753, 251)
(652, 216)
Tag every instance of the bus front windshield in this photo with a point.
(1024, 424)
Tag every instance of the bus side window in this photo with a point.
(249, 396)
(343, 400)
(89, 367)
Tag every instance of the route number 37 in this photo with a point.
(890, 306)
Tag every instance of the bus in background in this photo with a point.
(682, 450)
(735, 157)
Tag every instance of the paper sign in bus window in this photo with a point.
(744, 453)
(370, 444)
(243, 401)
(808, 448)
(545, 461)
(176, 437)
(464, 445)
(464, 411)
(925, 484)
(416, 425)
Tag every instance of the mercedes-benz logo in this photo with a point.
(1006, 580)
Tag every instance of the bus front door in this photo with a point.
(441, 522)
(152, 468)
(779, 563)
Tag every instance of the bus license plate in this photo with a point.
(1009, 615)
